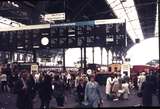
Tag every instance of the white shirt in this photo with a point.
(68, 76)
(3, 77)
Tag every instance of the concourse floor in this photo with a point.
(8, 101)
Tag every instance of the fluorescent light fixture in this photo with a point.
(20, 47)
(109, 40)
(35, 46)
(123, 12)
(45, 34)
(71, 35)
(109, 21)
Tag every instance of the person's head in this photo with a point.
(56, 77)
(92, 77)
(81, 80)
(8, 65)
(115, 75)
(24, 75)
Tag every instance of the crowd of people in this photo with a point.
(49, 84)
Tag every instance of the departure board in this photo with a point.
(97, 33)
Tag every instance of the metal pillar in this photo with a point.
(93, 54)
(34, 56)
(107, 57)
(101, 55)
(81, 58)
(85, 62)
(64, 64)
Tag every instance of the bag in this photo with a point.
(139, 94)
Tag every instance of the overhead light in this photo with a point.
(35, 46)
(20, 47)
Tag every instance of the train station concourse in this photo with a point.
(79, 54)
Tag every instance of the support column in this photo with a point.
(11, 56)
(85, 62)
(107, 57)
(93, 54)
(101, 55)
(34, 56)
(64, 64)
(81, 58)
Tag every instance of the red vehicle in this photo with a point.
(141, 68)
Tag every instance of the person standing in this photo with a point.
(141, 79)
(147, 91)
(45, 91)
(3, 79)
(109, 83)
(92, 93)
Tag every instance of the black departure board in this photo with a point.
(67, 35)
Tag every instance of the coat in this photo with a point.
(59, 89)
(147, 91)
(108, 85)
(116, 85)
(45, 89)
(24, 96)
(93, 94)
(81, 92)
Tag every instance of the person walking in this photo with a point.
(147, 91)
(125, 88)
(45, 91)
(92, 93)
(81, 90)
(59, 91)
(22, 89)
(115, 87)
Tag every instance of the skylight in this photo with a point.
(156, 25)
(126, 10)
